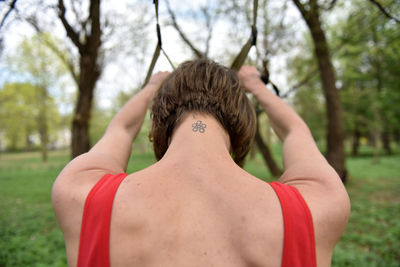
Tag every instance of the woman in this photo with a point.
(196, 206)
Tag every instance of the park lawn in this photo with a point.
(29, 235)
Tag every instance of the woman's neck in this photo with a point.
(199, 137)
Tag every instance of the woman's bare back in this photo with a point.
(174, 216)
(167, 218)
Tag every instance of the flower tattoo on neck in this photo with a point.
(199, 126)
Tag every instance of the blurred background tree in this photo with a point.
(368, 68)
(35, 107)
(28, 112)
(336, 62)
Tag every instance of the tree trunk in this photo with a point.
(371, 137)
(335, 132)
(13, 143)
(355, 141)
(28, 142)
(386, 142)
(43, 122)
(376, 132)
(89, 74)
(266, 153)
(335, 127)
(396, 136)
(376, 135)
(44, 141)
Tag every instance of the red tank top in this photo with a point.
(298, 240)
(94, 244)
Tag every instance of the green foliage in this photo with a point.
(29, 108)
(368, 64)
(42, 58)
(310, 106)
(30, 235)
(366, 53)
(35, 59)
(309, 101)
(21, 112)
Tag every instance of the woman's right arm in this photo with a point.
(304, 166)
(298, 144)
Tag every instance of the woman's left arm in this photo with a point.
(117, 140)
(111, 153)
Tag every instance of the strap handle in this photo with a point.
(158, 49)
(241, 57)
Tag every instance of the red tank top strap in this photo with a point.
(94, 244)
(299, 240)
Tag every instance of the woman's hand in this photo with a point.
(156, 80)
(250, 78)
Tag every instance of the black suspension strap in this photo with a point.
(265, 78)
(241, 57)
(158, 49)
(237, 62)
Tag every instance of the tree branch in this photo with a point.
(313, 6)
(181, 34)
(208, 18)
(301, 83)
(73, 36)
(301, 7)
(94, 40)
(78, 16)
(383, 10)
(68, 63)
(11, 7)
(95, 19)
(331, 5)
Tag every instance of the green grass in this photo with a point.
(372, 237)
(29, 235)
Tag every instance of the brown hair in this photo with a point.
(206, 87)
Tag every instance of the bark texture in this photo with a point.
(386, 142)
(355, 142)
(335, 132)
(43, 122)
(89, 73)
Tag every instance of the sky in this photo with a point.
(123, 74)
